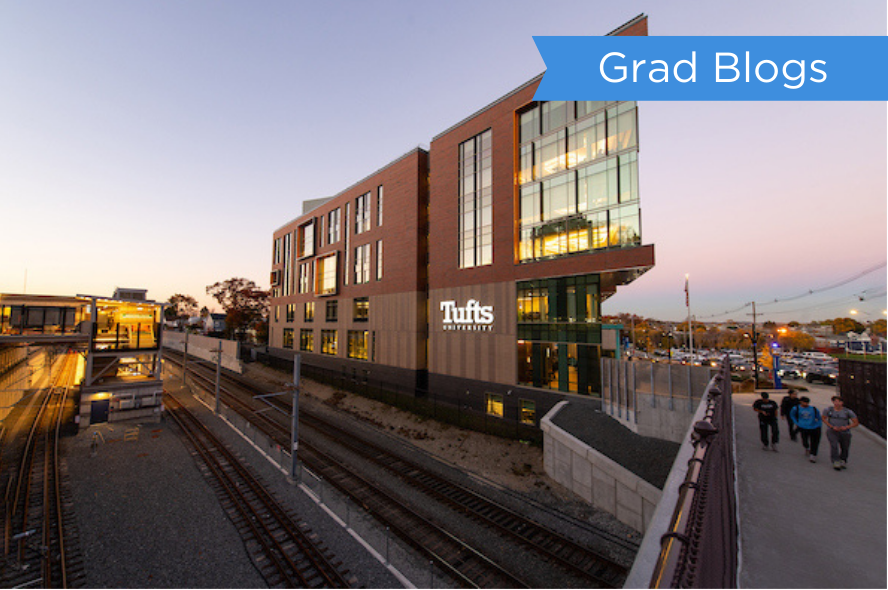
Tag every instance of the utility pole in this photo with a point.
(755, 363)
(218, 373)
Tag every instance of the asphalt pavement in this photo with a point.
(806, 525)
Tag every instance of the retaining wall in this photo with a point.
(597, 479)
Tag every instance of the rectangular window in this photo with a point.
(586, 141)
(529, 122)
(305, 277)
(305, 244)
(288, 264)
(291, 312)
(362, 264)
(346, 223)
(320, 231)
(325, 275)
(332, 308)
(306, 340)
(362, 213)
(357, 344)
(277, 313)
(528, 412)
(476, 201)
(621, 127)
(494, 405)
(288, 337)
(277, 251)
(308, 311)
(328, 342)
(333, 226)
(361, 309)
(553, 153)
(379, 206)
(379, 260)
(557, 113)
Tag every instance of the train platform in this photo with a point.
(806, 525)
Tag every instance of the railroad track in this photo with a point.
(552, 546)
(40, 547)
(567, 553)
(283, 548)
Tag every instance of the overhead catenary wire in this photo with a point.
(809, 293)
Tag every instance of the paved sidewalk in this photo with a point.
(805, 525)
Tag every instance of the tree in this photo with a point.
(244, 303)
(845, 325)
(180, 307)
(879, 327)
(793, 340)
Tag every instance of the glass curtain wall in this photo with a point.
(578, 177)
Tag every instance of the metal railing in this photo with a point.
(862, 385)
(467, 411)
(699, 550)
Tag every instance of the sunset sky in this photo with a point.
(158, 144)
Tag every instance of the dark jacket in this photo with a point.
(787, 404)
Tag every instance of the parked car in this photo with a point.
(789, 373)
(824, 373)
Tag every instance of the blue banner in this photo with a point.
(713, 68)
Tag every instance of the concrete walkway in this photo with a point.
(805, 525)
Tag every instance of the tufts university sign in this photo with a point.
(472, 317)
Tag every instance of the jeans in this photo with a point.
(775, 431)
(811, 439)
(793, 429)
(838, 444)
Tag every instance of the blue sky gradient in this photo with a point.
(159, 144)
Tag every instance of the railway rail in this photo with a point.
(554, 547)
(40, 546)
(283, 547)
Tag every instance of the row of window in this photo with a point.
(314, 231)
(547, 117)
(526, 408)
(597, 186)
(617, 227)
(358, 342)
(319, 275)
(360, 310)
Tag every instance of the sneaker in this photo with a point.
(837, 465)
(774, 448)
(813, 459)
(807, 452)
(844, 465)
(764, 447)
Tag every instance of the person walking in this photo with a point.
(788, 402)
(839, 421)
(767, 411)
(807, 420)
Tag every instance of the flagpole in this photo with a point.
(690, 327)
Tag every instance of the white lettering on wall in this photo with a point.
(473, 316)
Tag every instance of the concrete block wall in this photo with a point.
(595, 478)
(205, 348)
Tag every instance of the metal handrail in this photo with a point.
(704, 519)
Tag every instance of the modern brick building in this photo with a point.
(475, 270)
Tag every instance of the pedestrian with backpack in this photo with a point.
(788, 402)
(807, 419)
(839, 421)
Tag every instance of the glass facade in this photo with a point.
(328, 342)
(332, 314)
(306, 340)
(578, 177)
(325, 275)
(333, 226)
(361, 309)
(476, 201)
(362, 264)
(362, 213)
(357, 344)
(559, 333)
